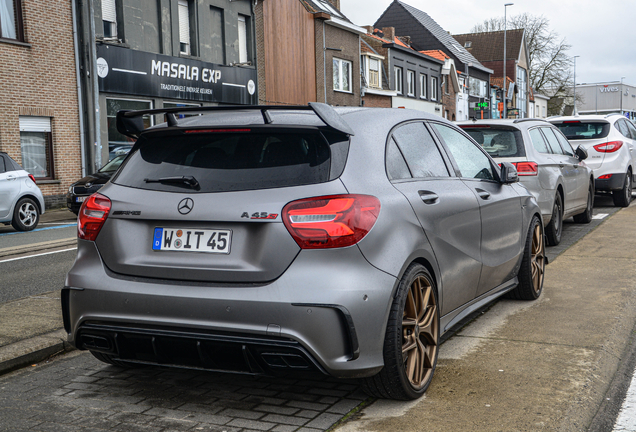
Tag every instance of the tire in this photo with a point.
(623, 197)
(532, 271)
(26, 215)
(107, 358)
(586, 216)
(411, 343)
(554, 229)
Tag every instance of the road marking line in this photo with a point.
(40, 229)
(600, 216)
(33, 256)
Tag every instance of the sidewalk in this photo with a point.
(31, 328)
(544, 365)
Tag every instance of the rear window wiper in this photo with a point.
(187, 180)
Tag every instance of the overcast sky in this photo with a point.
(601, 32)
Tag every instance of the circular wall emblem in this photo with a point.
(185, 206)
(102, 67)
(251, 87)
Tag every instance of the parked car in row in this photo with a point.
(79, 191)
(546, 164)
(610, 141)
(274, 239)
(21, 201)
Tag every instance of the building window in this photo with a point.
(477, 87)
(36, 143)
(109, 18)
(341, 75)
(522, 85)
(398, 79)
(410, 81)
(242, 38)
(446, 85)
(423, 85)
(468, 44)
(117, 143)
(434, 88)
(184, 27)
(374, 73)
(11, 19)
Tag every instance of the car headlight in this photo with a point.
(70, 189)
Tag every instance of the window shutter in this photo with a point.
(184, 22)
(35, 124)
(109, 12)
(242, 39)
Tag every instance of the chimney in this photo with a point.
(369, 29)
(389, 33)
(335, 3)
(406, 40)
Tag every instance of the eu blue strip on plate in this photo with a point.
(156, 243)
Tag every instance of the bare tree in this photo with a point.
(550, 65)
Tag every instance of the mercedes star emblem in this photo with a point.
(185, 206)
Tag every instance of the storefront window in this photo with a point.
(118, 143)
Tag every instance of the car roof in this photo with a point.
(590, 117)
(516, 123)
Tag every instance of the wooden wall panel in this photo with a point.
(290, 59)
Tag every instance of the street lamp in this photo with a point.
(574, 113)
(505, 81)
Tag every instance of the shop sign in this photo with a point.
(126, 71)
(608, 89)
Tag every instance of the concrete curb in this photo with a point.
(33, 350)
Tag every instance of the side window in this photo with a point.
(396, 166)
(472, 162)
(3, 169)
(565, 145)
(622, 128)
(420, 151)
(537, 141)
(552, 140)
(632, 129)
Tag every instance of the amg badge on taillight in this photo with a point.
(92, 216)
(331, 221)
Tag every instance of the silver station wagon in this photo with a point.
(268, 240)
(547, 165)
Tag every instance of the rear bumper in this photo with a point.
(615, 182)
(308, 319)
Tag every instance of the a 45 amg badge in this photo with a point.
(259, 215)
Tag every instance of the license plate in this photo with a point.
(192, 240)
(80, 199)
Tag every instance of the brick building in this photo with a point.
(40, 126)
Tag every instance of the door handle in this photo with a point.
(11, 177)
(483, 194)
(428, 197)
(561, 165)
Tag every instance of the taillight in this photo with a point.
(32, 177)
(331, 221)
(605, 177)
(527, 168)
(92, 216)
(609, 147)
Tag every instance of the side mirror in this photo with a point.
(508, 173)
(581, 153)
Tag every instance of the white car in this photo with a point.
(610, 142)
(21, 201)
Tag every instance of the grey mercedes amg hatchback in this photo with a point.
(267, 239)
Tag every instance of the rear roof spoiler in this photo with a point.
(130, 123)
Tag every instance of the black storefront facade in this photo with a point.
(135, 54)
(130, 79)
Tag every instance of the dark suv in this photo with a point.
(264, 240)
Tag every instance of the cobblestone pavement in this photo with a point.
(76, 392)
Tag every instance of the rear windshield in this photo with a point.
(231, 161)
(587, 130)
(498, 141)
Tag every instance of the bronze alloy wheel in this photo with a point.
(419, 333)
(538, 259)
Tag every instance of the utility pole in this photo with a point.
(574, 111)
(505, 81)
